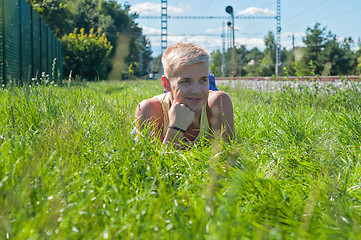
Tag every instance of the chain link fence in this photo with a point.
(28, 48)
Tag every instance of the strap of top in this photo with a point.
(204, 125)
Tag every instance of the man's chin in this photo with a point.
(196, 108)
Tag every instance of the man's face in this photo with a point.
(189, 85)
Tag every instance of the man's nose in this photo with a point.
(196, 88)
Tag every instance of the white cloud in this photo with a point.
(214, 30)
(151, 31)
(257, 11)
(251, 42)
(186, 6)
(150, 8)
(175, 10)
(145, 8)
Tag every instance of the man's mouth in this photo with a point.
(195, 99)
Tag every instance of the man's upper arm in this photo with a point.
(148, 112)
(221, 120)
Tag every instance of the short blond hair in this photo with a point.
(182, 54)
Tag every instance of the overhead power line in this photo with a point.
(191, 34)
(198, 34)
(208, 17)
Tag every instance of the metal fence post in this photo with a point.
(2, 40)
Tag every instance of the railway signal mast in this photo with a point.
(229, 10)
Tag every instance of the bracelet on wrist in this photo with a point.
(177, 128)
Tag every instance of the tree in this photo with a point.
(288, 60)
(326, 53)
(336, 57)
(358, 62)
(315, 41)
(253, 61)
(114, 21)
(240, 58)
(56, 14)
(216, 63)
(267, 66)
(269, 42)
(346, 45)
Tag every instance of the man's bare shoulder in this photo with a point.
(149, 108)
(221, 114)
(219, 99)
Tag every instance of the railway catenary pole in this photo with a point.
(224, 70)
(164, 28)
(278, 40)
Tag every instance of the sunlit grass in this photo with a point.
(69, 167)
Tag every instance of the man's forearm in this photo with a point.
(174, 137)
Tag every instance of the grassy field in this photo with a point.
(69, 168)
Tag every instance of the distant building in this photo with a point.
(251, 63)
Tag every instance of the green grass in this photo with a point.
(69, 168)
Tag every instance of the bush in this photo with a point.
(86, 55)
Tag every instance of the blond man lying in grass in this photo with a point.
(189, 110)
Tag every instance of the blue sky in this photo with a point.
(342, 17)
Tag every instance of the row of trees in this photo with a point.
(93, 32)
(323, 54)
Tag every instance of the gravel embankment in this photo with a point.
(271, 85)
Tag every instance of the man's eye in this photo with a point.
(204, 80)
